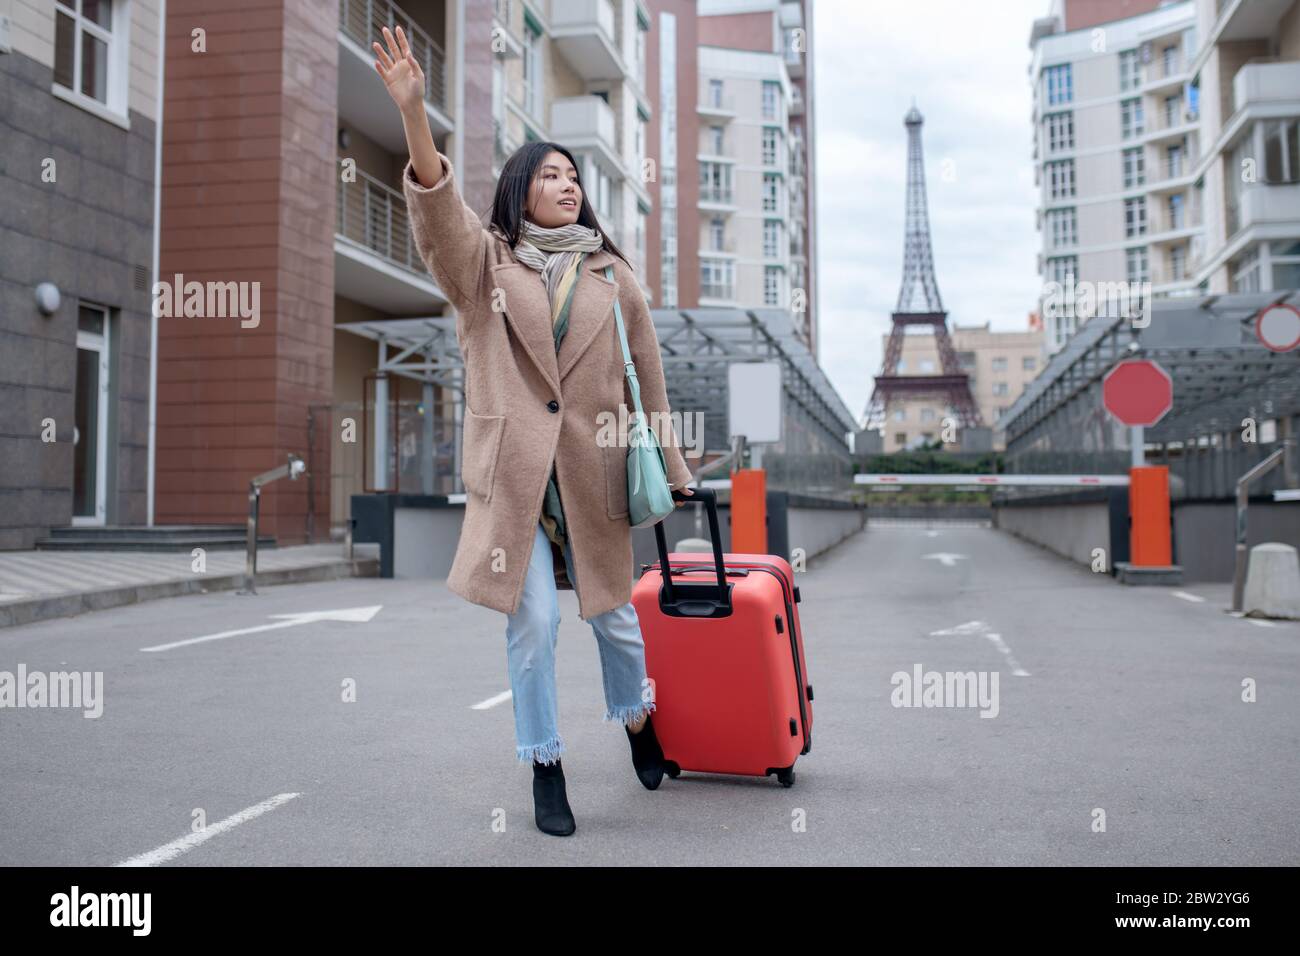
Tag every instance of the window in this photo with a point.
(1282, 151)
(1060, 132)
(1063, 269)
(532, 71)
(927, 414)
(771, 197)
(1169, 59)
(1285, 257)
(772, 286)
(1060, 84)
(1130, 118)
(1060, 178)
(1174, 161)
(900, 414)
(1245, 271)
(1178, 263)
(927, 366)
(717, 233)
(966, 360)
(1135, 217)
(1134, 169)
(715, 93)
(1028, 363)
(83, 44)
(1176, 218)
(771, 137)
(1001, 388)
(1136, 261)
(715, 141)
(771, 238)
(999, 363)
(715, 278)
(1172, 106)
(715, 182)
(771, 94)
(900, 438)
(1130, 70)
(1062, 227)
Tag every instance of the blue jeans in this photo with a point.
(531, 634)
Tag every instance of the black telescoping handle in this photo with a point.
(710, 499)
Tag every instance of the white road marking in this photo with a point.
(491, 701)
(947, 560)
(188, 842)
(1188, 597)
(1258, 623)
(982, 629)
(932, 534)
(358, 615)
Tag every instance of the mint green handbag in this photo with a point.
(649, 499)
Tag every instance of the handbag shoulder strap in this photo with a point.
(628, 367)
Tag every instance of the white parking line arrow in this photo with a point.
(356, 615)
(947, 560)
(982, 629)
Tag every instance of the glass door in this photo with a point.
(89, 466)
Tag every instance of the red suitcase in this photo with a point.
(725, 652)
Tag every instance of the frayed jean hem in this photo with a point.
(548, 752)
(629, 715)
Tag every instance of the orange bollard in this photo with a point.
(749, 511)
(1148, 511)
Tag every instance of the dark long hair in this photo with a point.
(511, 197)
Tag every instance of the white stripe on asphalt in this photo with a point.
(1258, 623)
(1188, 597)
(491, 701)
(188, 842)
(979, 627)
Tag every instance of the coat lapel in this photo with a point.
(529, 315)
(592, 310)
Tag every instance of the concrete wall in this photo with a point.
(1205, 540)
(1070, 530)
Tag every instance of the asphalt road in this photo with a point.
(1127, 700)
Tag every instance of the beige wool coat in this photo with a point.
(526, 407)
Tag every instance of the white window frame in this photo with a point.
(772, 286)
(533, 78)
(1135, 217)
(771, 238)
(117, 42)
(771, 99)
(1060, 131)
(1063, 227)
(97, 343)
(1059, 83)
(1136, 264)
(1132, 121)
(1060, 178)
(1134, 164)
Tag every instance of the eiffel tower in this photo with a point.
(919, 305)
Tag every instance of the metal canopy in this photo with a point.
(695, 346)
(1221, 373)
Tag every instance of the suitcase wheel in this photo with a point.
(672, 768)
(785, 776)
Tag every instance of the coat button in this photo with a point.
(553, 405)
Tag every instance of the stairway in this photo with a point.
(176, 537)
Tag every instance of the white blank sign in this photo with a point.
(755, 400)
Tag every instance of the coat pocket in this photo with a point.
(615, 480)
(480, 449)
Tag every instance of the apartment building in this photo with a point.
(79, 113)
(1248, 72)
(1116, 145)
(754, 152)
(1000, 365)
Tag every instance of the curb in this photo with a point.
(70, 605)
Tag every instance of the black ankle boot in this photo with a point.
(647, 755)
(550, 802)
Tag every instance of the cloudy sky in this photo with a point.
(965, 65)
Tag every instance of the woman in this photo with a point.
(545, 480)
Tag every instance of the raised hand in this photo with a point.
(400, 72)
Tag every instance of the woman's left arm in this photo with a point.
(644, 345)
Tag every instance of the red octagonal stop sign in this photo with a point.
(1137, 392)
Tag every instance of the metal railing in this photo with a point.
(374, 215)
(362, 22)
(713, 290)
(718, 194)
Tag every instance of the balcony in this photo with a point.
(1266, 82)
(726, 249)
(1172, 174)
(587, 123)
(717, 199)
(1267, 205)
(717, 107)
(723, 292)
(362, 99)
(375, 259)
(583, 30)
